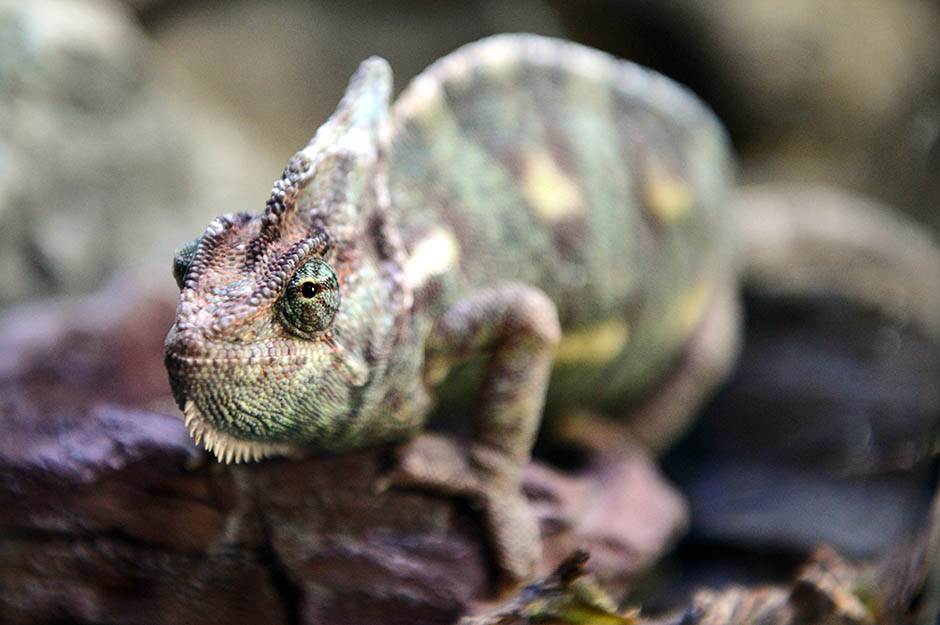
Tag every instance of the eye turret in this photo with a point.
(311, 299)
(182, 259)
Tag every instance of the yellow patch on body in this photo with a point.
(433, 255)
(550, 191)
(667, 196)
(500, 59)
(691, 306)
(595, 344)
(422, 100)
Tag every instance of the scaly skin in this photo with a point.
(526, 200)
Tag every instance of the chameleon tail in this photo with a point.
(820, 241)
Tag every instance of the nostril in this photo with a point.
(184, 342)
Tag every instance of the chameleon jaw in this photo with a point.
(225, 447)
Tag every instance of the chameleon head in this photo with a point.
(282, 315)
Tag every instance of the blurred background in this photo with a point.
(126, 126)
(134, 123)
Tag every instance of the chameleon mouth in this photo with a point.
(239, 361)
(225, 447)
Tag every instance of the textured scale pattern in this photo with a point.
(598, 181)
(530, 204)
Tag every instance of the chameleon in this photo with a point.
(536, 213)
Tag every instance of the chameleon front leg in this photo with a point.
(517, 327)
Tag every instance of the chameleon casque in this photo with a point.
(537, 205)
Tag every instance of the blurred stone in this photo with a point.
(828, 422)
(836, 92)
(783, 508)
(104, 165)
(282, 66)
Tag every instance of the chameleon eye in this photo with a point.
(311, 300)
(182, 259)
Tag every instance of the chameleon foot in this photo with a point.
(491, 482)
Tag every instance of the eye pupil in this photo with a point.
(308, 289)
(311, 300)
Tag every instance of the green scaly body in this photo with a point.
(597, 181)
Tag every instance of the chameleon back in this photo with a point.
(595, 180)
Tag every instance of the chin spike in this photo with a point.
(225, 447)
